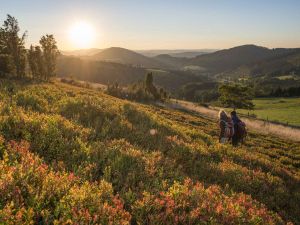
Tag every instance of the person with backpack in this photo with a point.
(239, 129)
(226, 127)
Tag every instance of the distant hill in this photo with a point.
(246, 60)
(125, 56)
(171, 61)
(82, 52)
(126, 66)
(188, 53)
(110, 72)
(279, 64)
(233, 58)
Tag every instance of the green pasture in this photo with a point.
(284, 110)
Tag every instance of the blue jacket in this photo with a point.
(235, 120)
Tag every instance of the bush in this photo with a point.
(52, 137)
(31, 192)
(193, 204)
(31, 101)
(93, 152)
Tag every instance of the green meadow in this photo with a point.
(283, 110)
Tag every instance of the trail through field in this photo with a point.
(252, 124)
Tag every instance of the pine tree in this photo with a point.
(13, 46)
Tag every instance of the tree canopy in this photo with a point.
(14, 57)
(236, 96)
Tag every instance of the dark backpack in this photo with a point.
(241, 131)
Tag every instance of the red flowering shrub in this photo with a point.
(80, 137)
(190, 203)
(31, 192)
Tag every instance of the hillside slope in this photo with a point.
(288, 63)
(92, 158)
(229, 59)
(110, 72)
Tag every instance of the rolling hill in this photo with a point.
(125, 66)
(187, 53)
(230, 59)
(110, 72)
(247, 59)
(125, 56)
(82, 52)
(277, 65)
(77, 155)
(171, 61)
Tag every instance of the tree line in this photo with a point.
(285, 92)
(231, 95)
(142, 91)
(39, 62)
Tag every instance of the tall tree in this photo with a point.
(36, 62)
(13, 45)
(150, 86)
(6, 64)
(236, 96)
(32, 61)
(40, 62)
(50, 53)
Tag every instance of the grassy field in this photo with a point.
(72, 155)
(283, 110)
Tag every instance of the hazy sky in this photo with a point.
(162, 24)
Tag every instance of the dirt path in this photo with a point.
(253, 124)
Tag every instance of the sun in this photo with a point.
(82, 34)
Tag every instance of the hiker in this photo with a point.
(239, 129)
(235, 119)
(226, 127)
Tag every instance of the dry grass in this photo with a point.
(253, 124)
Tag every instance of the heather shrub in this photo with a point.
(190, 203)
(31, 192)
(31, 101)
(92, 154)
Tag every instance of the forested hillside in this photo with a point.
(264, 68)
(75, 155)
(111, 72)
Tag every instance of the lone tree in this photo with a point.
(50, 53)
(12, 48)
(150, 86)
(236, 96)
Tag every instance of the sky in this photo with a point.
(161, 24)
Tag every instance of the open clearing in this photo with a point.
(283, 110)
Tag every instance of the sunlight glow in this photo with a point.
(82, 35)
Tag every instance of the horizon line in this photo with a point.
(178, 49)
